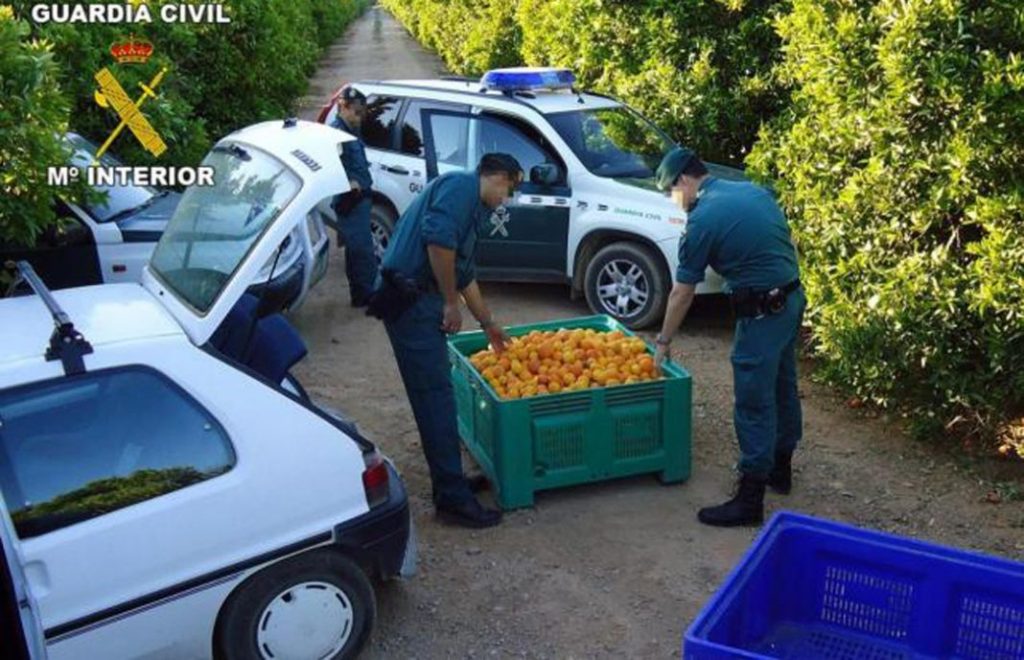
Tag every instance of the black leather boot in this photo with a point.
(468, 514)
(745, 508)
(781, 477)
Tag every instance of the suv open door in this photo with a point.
(267, 179)
(21, 631)
(528, 238)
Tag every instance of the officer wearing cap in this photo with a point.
(427, 267)
(739, 230)
(353, 208)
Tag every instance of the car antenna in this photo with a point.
(66, 343)
(579, 95)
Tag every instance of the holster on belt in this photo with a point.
(750, 303)
(397, 293)
(343, 204)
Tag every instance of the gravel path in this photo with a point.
(618, 569)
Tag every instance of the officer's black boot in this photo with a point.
(745, 508)
(468, 514)
(781, 477)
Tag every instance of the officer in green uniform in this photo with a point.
(739, 230)
(353, 208)
(427, 267)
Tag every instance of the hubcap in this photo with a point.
(380, 238)
(622, 288)
(307, 620)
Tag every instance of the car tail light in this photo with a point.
(375, 479)
(325, 109)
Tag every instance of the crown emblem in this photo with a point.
(131, 49)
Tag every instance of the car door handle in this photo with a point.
(395, 170)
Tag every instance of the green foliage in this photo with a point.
(900, 164)
(219, 77)
(892, 129)
(33, 113)
(698, 68)
(471, 36)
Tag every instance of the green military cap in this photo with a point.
(672, 165)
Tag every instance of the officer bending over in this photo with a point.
(428, 265)
(353, 208)
(738, 229)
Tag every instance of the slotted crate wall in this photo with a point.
(811, 588)
(570, 438)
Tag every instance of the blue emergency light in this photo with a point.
(521, 79)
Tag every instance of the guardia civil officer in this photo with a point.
(353, 208)
(427, 267)
(738, 229)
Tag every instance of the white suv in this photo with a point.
(173, 491)
(596, 222)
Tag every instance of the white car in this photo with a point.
(169, 490)
(595, 220)
(112, 240)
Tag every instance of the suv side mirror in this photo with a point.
(545, 174)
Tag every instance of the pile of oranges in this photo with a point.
(565, 361)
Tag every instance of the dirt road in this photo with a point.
(616, 570)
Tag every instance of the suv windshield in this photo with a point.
(214, 228)
(615, 143)
(116, 201)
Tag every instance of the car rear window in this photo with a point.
(74, 449)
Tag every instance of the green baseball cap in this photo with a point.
(672, 165)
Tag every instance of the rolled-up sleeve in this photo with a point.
(694, 252)
(440, 224)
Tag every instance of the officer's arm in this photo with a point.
(475, 302)
(694, 255)
(351, 165)
(679, 301)
(442, 262)
(440, 233)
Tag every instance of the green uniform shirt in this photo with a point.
(738, 229)
(447, 214)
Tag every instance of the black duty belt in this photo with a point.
(751, 303)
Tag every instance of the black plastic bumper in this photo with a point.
(380, 538)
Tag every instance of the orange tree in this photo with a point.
(899, 162)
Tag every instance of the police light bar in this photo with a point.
(520, 79)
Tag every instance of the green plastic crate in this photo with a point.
(555, 440)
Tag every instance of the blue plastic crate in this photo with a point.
(811, 588)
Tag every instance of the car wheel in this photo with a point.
(382, 226)
(317, 605)
(627, 281)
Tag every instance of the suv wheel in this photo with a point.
(627, 281)
(382, 226)
(316, 605)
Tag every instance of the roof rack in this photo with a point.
(66, 344)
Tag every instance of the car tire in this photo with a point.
(260, 619)
(627, 281)
(382, 227)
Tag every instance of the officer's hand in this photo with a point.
(497, 337)
(452, 322)
(661, 354)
